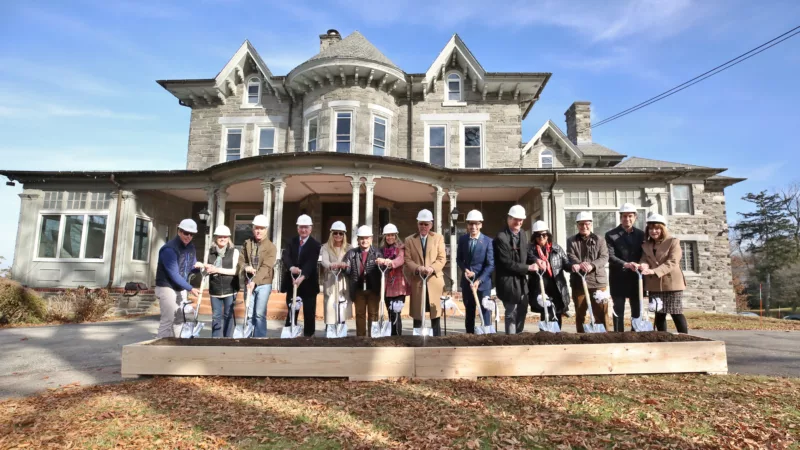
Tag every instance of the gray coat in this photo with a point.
(595, 253)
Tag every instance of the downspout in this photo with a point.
(116, 232)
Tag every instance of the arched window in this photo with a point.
(546, 159)
(253, 91)
(454, 87)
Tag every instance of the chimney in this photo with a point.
(579, 123)
(328, 39)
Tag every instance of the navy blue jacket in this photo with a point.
(175, 262)
(482, 262)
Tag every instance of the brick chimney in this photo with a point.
(328, 39)
(579, 123)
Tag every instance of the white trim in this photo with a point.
(462, 141)
(344, 104)
(387, 134)
(223, 157)
(149, 239)
(235, 122)
(426, 156)
(672, 200)
(257, 139)
(474, 67)
(452, 103)
(380, 109)
(306, 129)
(334, 123)
(60, 239)
(246, 94)
(552, 158)
(312, 109)
(456, 117)
(693, 237)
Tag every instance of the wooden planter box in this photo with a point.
(374, 363)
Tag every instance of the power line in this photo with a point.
(710, 73)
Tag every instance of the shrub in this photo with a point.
(60, 309)
(19, 304)
(90, 304)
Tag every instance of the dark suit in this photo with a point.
(480, 261)
(510, 275)
(306, 259)
(623, 248)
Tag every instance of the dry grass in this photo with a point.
(705, 321)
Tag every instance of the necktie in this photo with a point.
(424, 241)
(472, 243)
(300, 249)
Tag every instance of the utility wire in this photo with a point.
(720, 68)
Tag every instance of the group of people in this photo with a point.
(413, 268)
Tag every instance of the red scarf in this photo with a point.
(546, 257)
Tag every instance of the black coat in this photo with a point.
(510, 268)
(624, 283)
(307, 262)
(559, 265)
(372, 274)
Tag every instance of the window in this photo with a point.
(546, 159)
(72, 236)
(312, 134)
(634, 197)
(379, 136)
(454, 87)
(575, 198)
(437, 146)
(253, 91)
(233, 144)
(141, 239)
(76, 200)
(472, 147)
(242, 228)
(266, 141)
(688, 260)
(603, 198)
(681, 199)
(344, 122)
(53, 200)
(602, 220)
(100, 200)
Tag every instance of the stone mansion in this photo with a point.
(348, 135)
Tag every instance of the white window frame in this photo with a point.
(621, 200)
(695, 270)
(446, 101)
(94, 199)
(672, 200)
(387, 125)
(542, 155)
(334, 125)
(60, 241)
(606, 191)
(257, 141)
(149, 239)
(427, 148)
(463, 143)
(307, 139)
(576, 191)
(246, 94)
(224, 144)
(571, 229)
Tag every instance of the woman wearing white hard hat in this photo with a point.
(425, 254)
(588, 255)
(332, 258)
(392, 253)
(300, 259)
(223, 282)
(552, 261)
(365, 280)
(257, 261)
(663, 277)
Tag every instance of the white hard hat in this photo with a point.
(474, 216)
(628, 208)
(304, 219)
(425, 216)
(260, 221)
(656, 218)
(222, 230)
(390, 229)
(364, 231)
(188, 225)
(338, 226)
(584, 216)
(539, 225)
(517, 212)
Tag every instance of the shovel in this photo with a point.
(381, 328)
(339, 329)
(641, 323)
(191, 329)
(590, 327)
(423, 330)
(247, 329)
(482, 328)
(293, 330)
(547, 324)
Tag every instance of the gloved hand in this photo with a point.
(543, 302)
(397, 306)
(298, 303)
(602, 297)
(656, 305)
(448, 303)
(488, 303)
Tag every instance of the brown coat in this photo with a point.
(434, 257)
(267, 255)
(666, 263)
(595, 253)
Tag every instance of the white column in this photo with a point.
(370, 188)
(266, 208)
(546, 213)
(559, 216)
(437, 208)
(211, 195)
(453, 266)
(222, 197)
(356, 184)
(277, 226)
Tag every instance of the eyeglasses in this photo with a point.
(539, 235)
(424, 224)
(186, 233)
(338, 233)
(473, 224)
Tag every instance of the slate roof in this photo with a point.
(355, 46)
(634, 162)
(595, 149)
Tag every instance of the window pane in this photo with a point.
(343, 125)
(96, 237)
(141, 240)
(266, 141)
(436, 137)
(377, 150)
(241, 232)
(472, 136)
(547, 162)
(312, 145)
(380, 129)
(342, 147)
(603, 198)
(312, 135)
(252, 94)
(76, 200)
(73, 231)
(682, 206)
(234, 145)
(453, 76)
(576, 198)
(688, 260)
(680, 192)
(48, 236)
(437, 156)
(472, 158)
(99, 200)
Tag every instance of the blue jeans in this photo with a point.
(470, 306)
(259, 302)
(222, 316)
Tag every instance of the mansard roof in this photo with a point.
(354, 46)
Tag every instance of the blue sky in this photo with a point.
(78, 91)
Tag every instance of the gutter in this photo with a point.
(112, 271)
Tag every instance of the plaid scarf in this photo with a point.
(545, 256)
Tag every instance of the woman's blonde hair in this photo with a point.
(396, 240)
(332, 248)
(661, 226)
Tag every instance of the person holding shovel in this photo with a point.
(663, 277)
(588, 256)
(624, 252)
(475, 256)
(257, 260)
(223, 282)
(392, 253)
(425, 255)
(552, 262)
(176, 260)
(365, 279)
(300, 259)
(332, 259)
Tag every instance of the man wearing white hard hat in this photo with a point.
(475, 257)
(176, 260)
(425, 254)
(257, 261)
(223, 281)
(332, 259)
(624, 252)
(588, 254)
(365, 280)
(300, 258)
(511, 268)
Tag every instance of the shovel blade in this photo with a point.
(381, 329)
(423, 332)
(641, 325)
(197, 329)
(479, 330)
(238, 333)
(336, 331)
(291, 332)
(596, 328)
(249, 331)
(551, 327)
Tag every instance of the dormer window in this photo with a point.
(454, 87)
(253, 91)
(546, 159)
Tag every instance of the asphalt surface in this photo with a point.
(35, 359)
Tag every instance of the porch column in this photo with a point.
(437, 208)
(267, 206)
(546, 216)
(277, 227)
(356, 184)
(559, 216)
(370, 188)
(210, 202)
(222, 197)
(453, 266)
